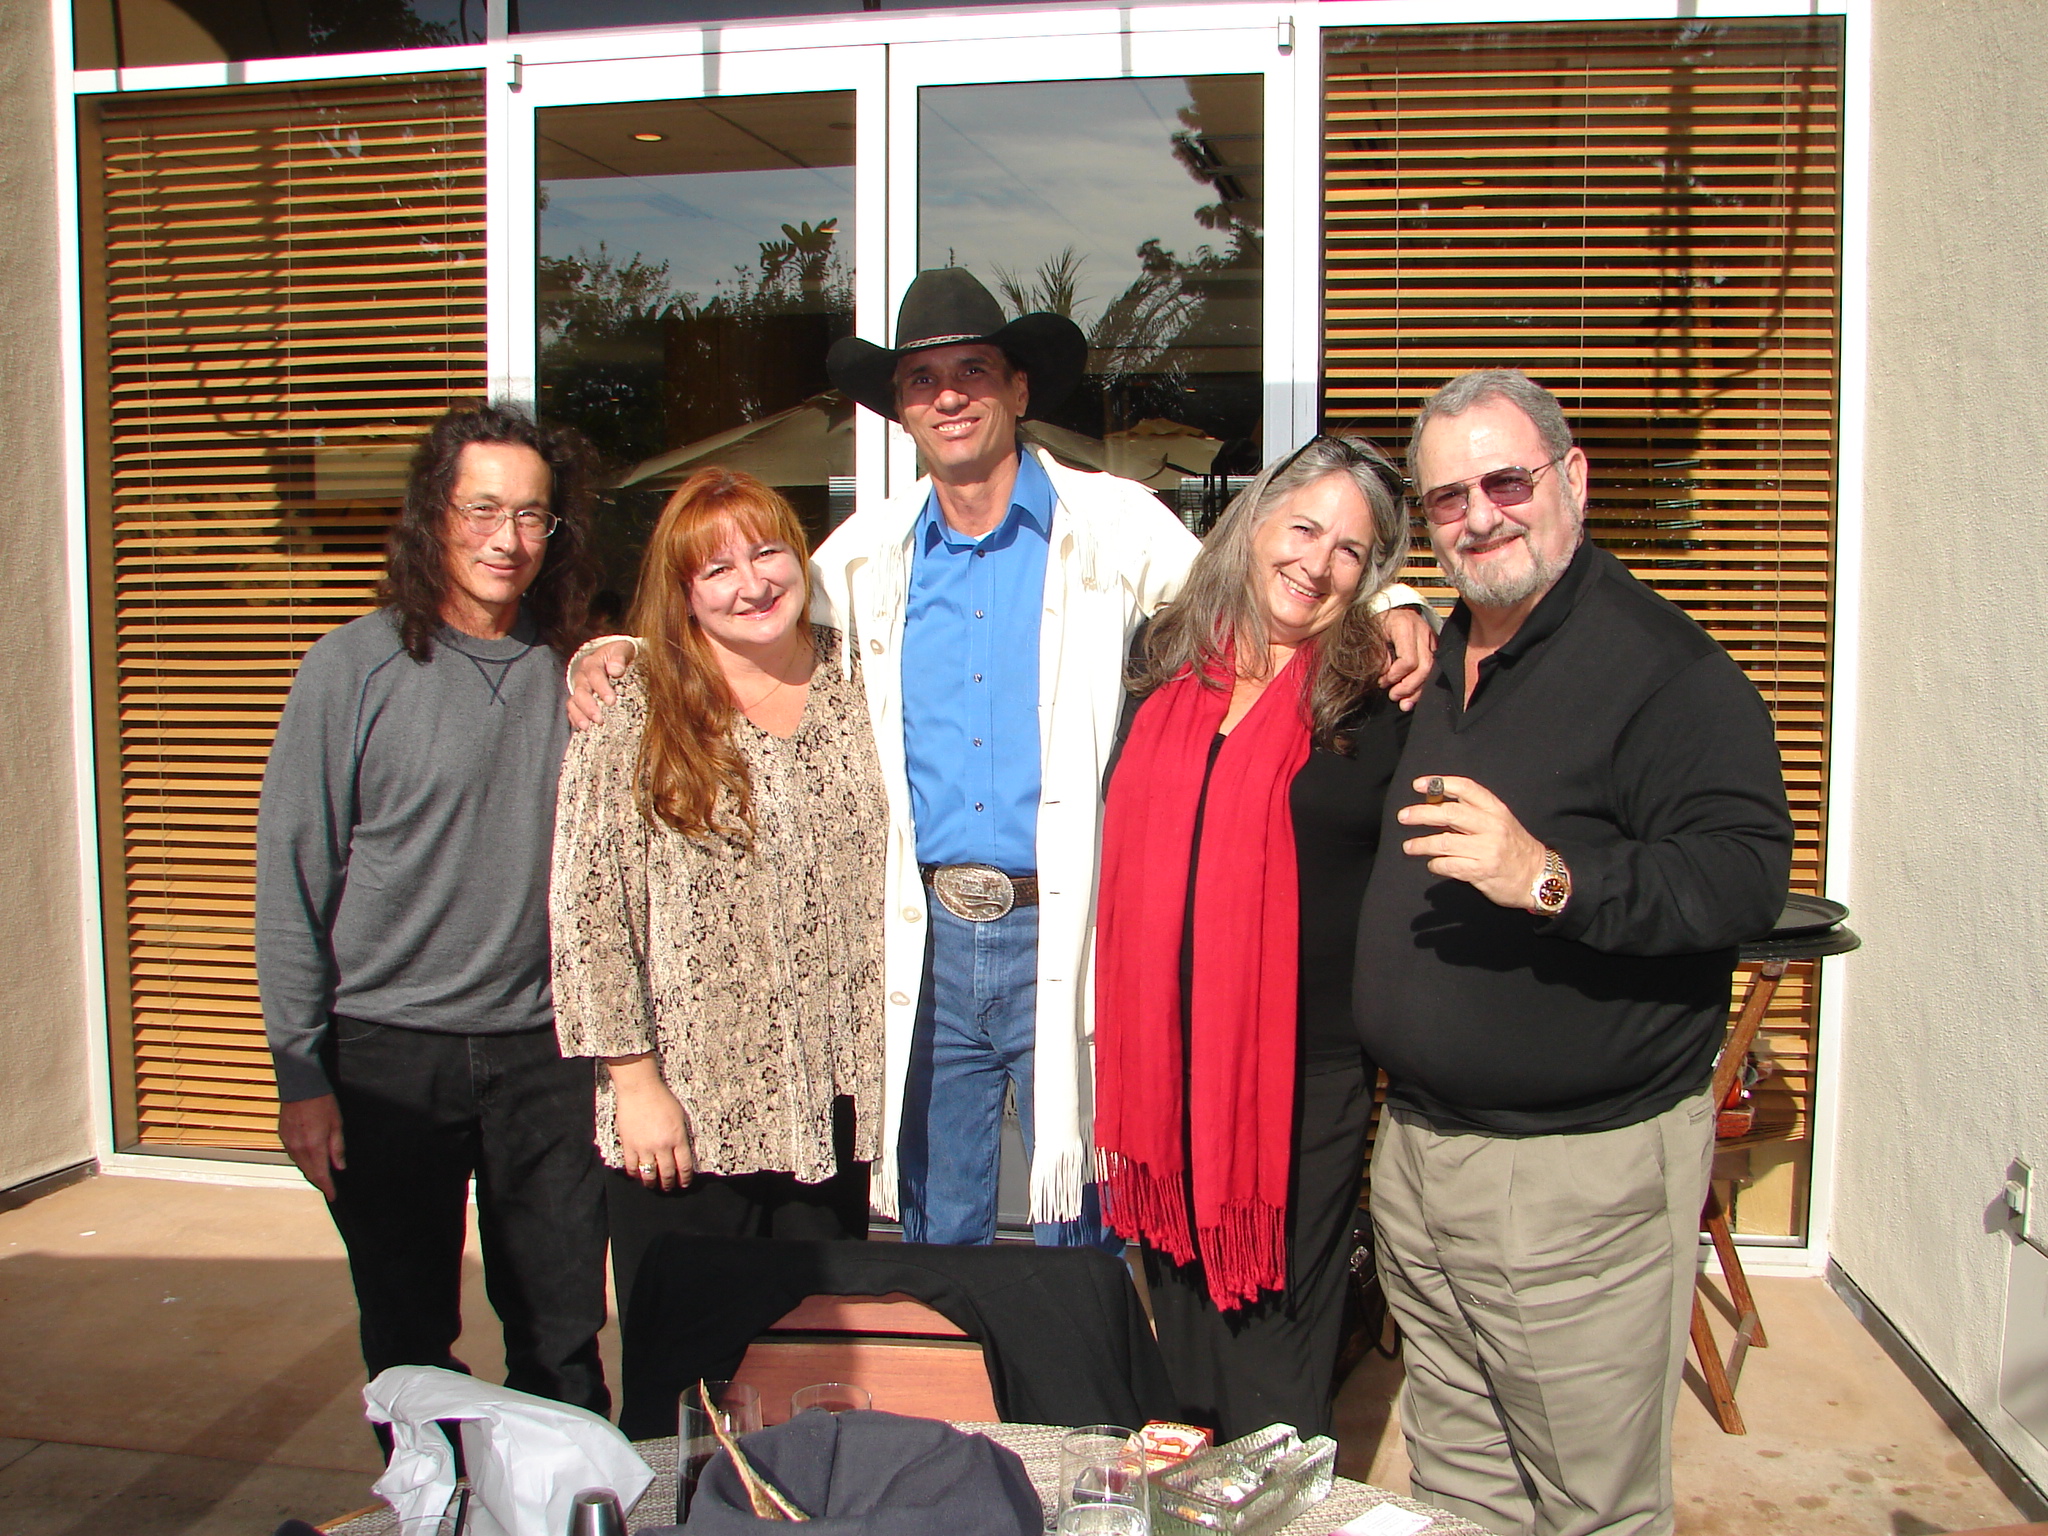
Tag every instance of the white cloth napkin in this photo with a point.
(1386, 1520)
(528, 1457)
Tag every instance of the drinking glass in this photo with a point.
(1103, 1465)
(738, 1407)
(1104, 1520)
(832, 1396)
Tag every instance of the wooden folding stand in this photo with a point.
(1733, 1119)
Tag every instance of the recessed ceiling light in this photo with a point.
(650, 138)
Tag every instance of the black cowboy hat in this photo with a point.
(948, 307)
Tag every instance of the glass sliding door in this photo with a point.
(693, 260)
(685, 233)
(1135, 206)
(1122, 179)
(693, 271)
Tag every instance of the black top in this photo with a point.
(1337, 803)
(1336, 799)
(1622, 735)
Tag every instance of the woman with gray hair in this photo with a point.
(1240, 822)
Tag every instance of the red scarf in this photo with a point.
(1234, 1085)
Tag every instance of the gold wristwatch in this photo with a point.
(1553, 887)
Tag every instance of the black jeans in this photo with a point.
(421, 1112)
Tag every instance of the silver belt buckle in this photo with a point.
(980, 893)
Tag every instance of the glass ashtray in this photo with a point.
(1248, 1487)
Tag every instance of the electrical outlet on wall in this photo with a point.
(2030, 1223)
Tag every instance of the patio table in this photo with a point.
(1038, 1446)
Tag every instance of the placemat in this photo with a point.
(1038, 1447)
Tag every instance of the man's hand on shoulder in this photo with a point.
(311, 1132)
(1475, 838)
(1413, 645)
(590, 682)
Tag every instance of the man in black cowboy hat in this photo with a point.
(986, 959)
(989, 609)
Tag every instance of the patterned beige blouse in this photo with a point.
(755, 975)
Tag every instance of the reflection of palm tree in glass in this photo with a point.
(1154, 348)
(1139, 346)
(810, 247)
(1054, 289)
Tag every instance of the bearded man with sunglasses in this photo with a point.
(403, 847)
(1596, 818)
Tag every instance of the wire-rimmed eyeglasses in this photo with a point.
(483, 520)
(1509, 487)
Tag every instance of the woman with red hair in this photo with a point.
(717, 895)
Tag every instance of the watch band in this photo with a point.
(1553, 887)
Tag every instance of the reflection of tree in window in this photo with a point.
(1181, 343)
(641, 369)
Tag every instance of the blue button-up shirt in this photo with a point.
(970, 681)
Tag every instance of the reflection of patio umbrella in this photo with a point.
(1155, 452)
(805, 445)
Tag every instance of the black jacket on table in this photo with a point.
(1622, 735)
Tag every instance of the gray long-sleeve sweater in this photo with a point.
(403, 841)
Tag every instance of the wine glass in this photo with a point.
(833, 1397)
(738, 1407)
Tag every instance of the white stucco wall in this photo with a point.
(44, 1113)
(1946, 1009)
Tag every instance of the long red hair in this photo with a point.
(687, 756)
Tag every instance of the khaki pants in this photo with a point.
(1543, 1285)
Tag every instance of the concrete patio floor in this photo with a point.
(179, 1359)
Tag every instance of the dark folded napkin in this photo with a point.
(871, 1474)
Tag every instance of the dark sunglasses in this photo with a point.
(1510, 487)
(1355, 452)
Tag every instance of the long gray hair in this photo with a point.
(1218, 603)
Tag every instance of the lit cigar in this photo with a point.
(1433, 792)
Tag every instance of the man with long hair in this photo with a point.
(402, 854)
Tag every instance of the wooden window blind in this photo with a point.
(1644, 218)
(287, 287)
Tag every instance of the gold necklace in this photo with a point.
(748, 709)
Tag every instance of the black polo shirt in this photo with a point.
(1620, 733)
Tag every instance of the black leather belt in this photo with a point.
(979, 893)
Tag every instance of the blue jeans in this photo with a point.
(977, 1029)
